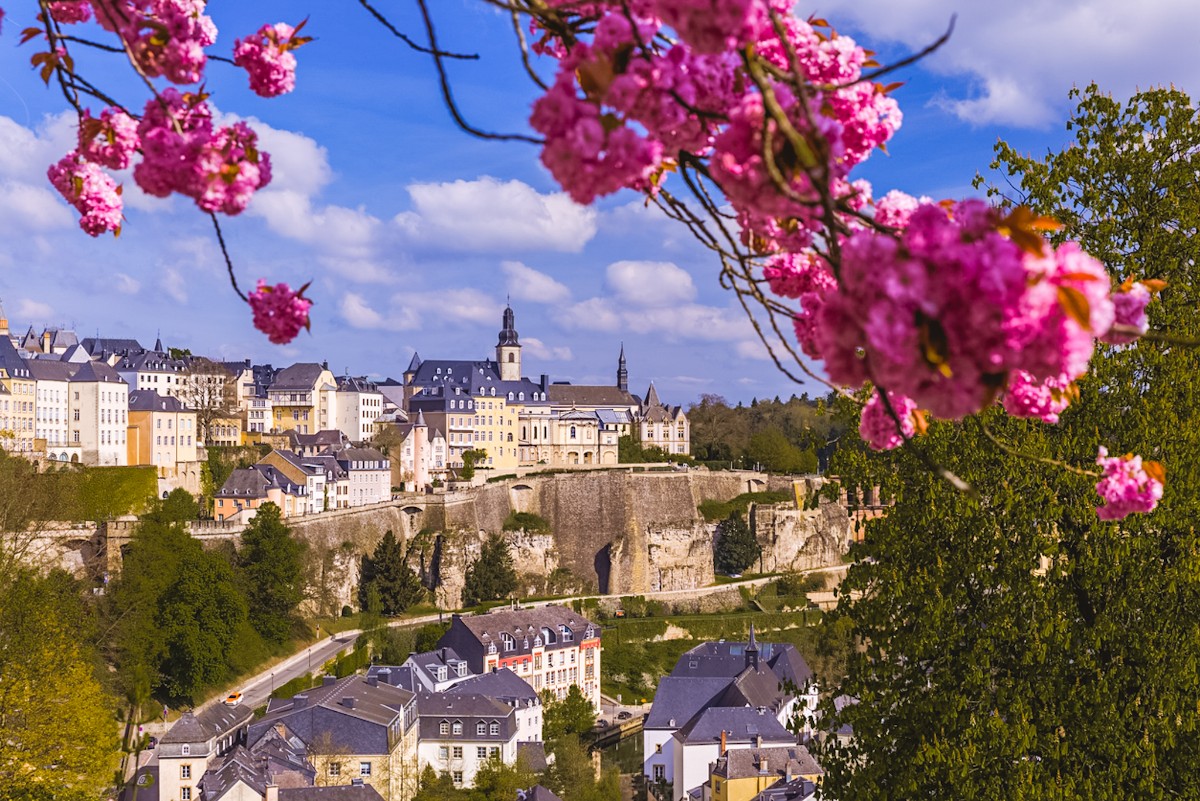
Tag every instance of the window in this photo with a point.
(185, 749)
(494, 751)
(444, 728)
(567, 635)
(660, 773)
(480, 729)
(444, 752)
(507, 640)
(457, 728)
(457, 777)
(185, 771)
(495, 728)
(335, 768)
(481, 752)
(364, 768)
(458, 752)
(185, 794)
(572, 432)
(658, 748)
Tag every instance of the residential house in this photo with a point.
(304, 398)
(359, 405)
(52, 409)
(193, 743)
(109, 350)
(742, 774)
(662, 426)
(369, 473)
(508, 688)
(154, 370)
(353, 729)
(423, 454)
(459, 733)
(21, 401)
(248, 488)
(550, 647)
(161, 432)
(320, 442)
(723, 675)
(99, 406)
(717, 731)
(312, 472)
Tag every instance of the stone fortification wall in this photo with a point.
(801, 539)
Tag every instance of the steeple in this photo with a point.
(622, 372)
(752, 651)
(420, 419)
(652, 397)
(158, 348)
(508, 348)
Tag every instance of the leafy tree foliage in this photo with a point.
(572, 776)
(57, 733)
(491, 576)
(1012, 644)
(736, 548)
(471, 457)
(386, 572)
(721, 433)
(630, 451)
(569, 716)
(272, 562)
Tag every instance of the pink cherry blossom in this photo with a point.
(110, 140)
(1044, 400)
(228, 170)
(67, 12)
(878, 428)
(1126, 486)
(267, 57)
(895, 208)
(90, 190)
(279, 312)
(1129, 308)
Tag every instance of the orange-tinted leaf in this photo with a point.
(817, 22)
(1081, 277)
(30, 33)
(871, 63)
(920, 422)
(891, 87)
(1155, 285)
(1075, 304)
(1156, 471)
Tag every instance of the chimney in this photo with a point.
(722, 741)
(762, 760)
(328, 680)
(299, 702)
(356, 782)
(272, 793)
(788, 774)
(348, 702)
(758, 744)
(372, 681)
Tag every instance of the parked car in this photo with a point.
(233, 699)
(602, 724)
(625, 715)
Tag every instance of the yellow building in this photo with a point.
(303, 398)
(162, 432)
(741, 774)
(20, 403)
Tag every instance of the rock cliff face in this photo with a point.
(610, 532)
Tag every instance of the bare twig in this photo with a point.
(228, 261)
(433, 51)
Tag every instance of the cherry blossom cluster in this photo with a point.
(182, 150)
(1129, 485)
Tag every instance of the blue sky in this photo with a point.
(413, 233)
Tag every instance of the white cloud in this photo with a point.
(468, 305)
(1023, 56)
(686, 322)
(490, 215)
(358, 313)
(34, 310)
(526, 283)
(126, 285)
(539, 350)
(172, 282)
(26, 207)
(333, 230)
(651, 283)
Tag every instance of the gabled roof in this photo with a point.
(97, 372)
(302, 375)
(533, 752)
(150, 361)
(50, 370)
(537, 792)
(147, 400)
(349, 383)
(213, 721)
(501, 684)
(579, 395)
(677, 700)
(741, 763)
(11, 361)
(98, 346)
(740, 724)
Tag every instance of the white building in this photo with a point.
(193, 743)
(99, 407)
(53, 408)
(459, 733)
(369, 473)
(359, 404)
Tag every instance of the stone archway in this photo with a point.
(521, 498)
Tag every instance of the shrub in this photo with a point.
(526, 521)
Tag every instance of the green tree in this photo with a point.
(58, 737)
(1011, 644)
(471, 457)
(771, 448)
(736, 548)
(570, 716)
(572, 776)
(387, 572)
(491, 576)
(272, 563)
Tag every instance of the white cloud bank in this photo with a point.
(1023, 56)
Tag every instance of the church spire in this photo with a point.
(622, 371)
(508, 328)
(508, 348)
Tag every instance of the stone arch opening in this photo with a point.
(756, 485)
(603, 566)
(521, 498)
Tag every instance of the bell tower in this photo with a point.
(508, 349)
(622, 372)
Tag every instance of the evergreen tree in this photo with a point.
(1013, 645)
(272, 565)
(736, 549)
(491, 576)
(387, 571)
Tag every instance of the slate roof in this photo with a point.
(300, 376)
(213, 721)
(362, 727)
(755, 688)
(728, 658)
(325, 438)
(344, 792)
(349, 383)
(50, 370)
(99, 347)
(678, 699)
(254, 481)
(579, 395)
(426, 664)
(502, 684)
(437, 380)
(537, 792)
(742, 763)
(741, 724)
(97, 372)
(798, 789)
(534, 753)
(149, 361)
(11, 361)
(351, 454)
(525, 624)
(469, 709)
(147, 400)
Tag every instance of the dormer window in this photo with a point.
(520, 396)
(507, 640)
(457, 727)
(441, 673)
(567, 634)
(480, 729)
(185, 750)
(444, 728)
(495, 728)
(460, 669)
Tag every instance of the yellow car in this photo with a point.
(234, 699)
